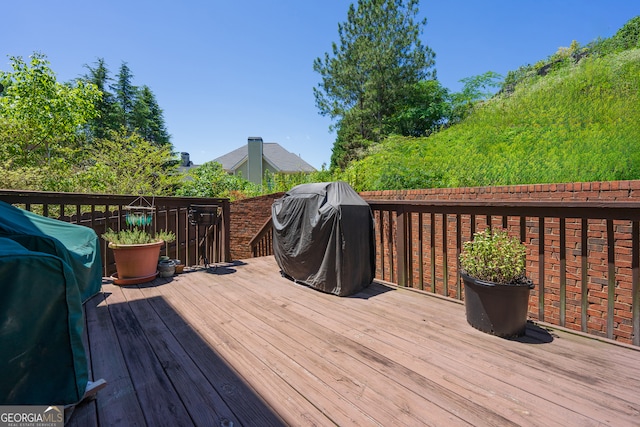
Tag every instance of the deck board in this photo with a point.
(243, 346)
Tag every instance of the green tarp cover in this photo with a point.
(42, 357)
(77, 245)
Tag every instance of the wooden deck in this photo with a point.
(243, 346)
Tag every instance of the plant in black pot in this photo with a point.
(496, 290)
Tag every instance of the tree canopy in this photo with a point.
(40, 118)
(129, 106)
(76, 136)
(367, 75)
(108, 118)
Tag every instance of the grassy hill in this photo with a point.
(577, 123)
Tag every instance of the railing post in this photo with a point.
(420, 252)
(584, 300)
(226, 230)
(635, 280)
(541, 247)
(433, 252)
(392, 275)
(381, 234)
(611, 277)
(458, 250)
(401, 246)
(563, 272)
(445, 260)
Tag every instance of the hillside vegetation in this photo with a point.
(577, 123)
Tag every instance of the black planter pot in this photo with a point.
(496, 308)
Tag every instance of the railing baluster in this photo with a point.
(563, 272)
(401, 246)
(198, 255)
(445, 271)
(409, 247)
(433, 252)
(188, 231)
(611, 277)
(541, 246)
(458, 250)
(390, 243)
(381, 234)
(584, 300)
(635, 288)
(420, 251)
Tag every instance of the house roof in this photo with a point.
(272, 152)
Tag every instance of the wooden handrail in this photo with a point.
(261, 244)
(102, 211)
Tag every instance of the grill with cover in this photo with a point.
(323, 237)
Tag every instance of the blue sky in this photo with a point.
(226, 70)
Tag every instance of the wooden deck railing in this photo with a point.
(262, 243)
(582, 256)
(101, 212)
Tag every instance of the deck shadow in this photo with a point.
(160, 370)
(373, 290)
(535, 335)
(220, 269)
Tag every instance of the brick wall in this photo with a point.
(578, 191)
(247, 217)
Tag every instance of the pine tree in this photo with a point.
(109, 118)
(147, 118)
(379, 55)
(126, 94)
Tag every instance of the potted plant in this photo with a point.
(136, 253)
(496, 290)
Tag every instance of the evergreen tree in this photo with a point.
(109, 117)
(147, 118)
(379, 55)
(126, 94)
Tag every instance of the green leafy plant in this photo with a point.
(495, 257)
(137, 236)
(575, 125)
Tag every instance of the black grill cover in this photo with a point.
(323, 236)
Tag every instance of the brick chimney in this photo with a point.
(254, 161)
(184, 159)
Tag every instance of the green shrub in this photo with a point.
(137, 236)
(494, 256)
(578, 124)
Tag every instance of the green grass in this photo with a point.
(580, 123)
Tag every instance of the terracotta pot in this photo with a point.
(136, 261)
(495, 308)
